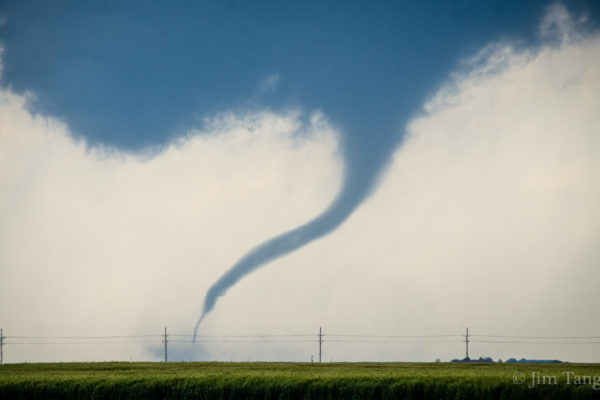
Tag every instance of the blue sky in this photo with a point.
(347, 79)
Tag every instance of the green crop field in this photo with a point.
(215, 380)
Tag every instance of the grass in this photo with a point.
(215, 380)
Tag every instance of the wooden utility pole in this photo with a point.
(1, 347)
(320, 343)
(467, 342)
(166, 358)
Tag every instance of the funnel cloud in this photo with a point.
(354, 190)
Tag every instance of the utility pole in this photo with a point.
(1, 347)
(165, 336)
(320, 343)
(467, 342)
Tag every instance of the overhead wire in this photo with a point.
(301, 338)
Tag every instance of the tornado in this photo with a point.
(363, 164)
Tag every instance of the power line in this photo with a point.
(392, 341)
(337, 335)
(296, 341)
(80, 337)
(320, 339)
(243, 336)
(83, 343)
(244, 341)
(393, 336)
(538, 337)
(529, 342)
